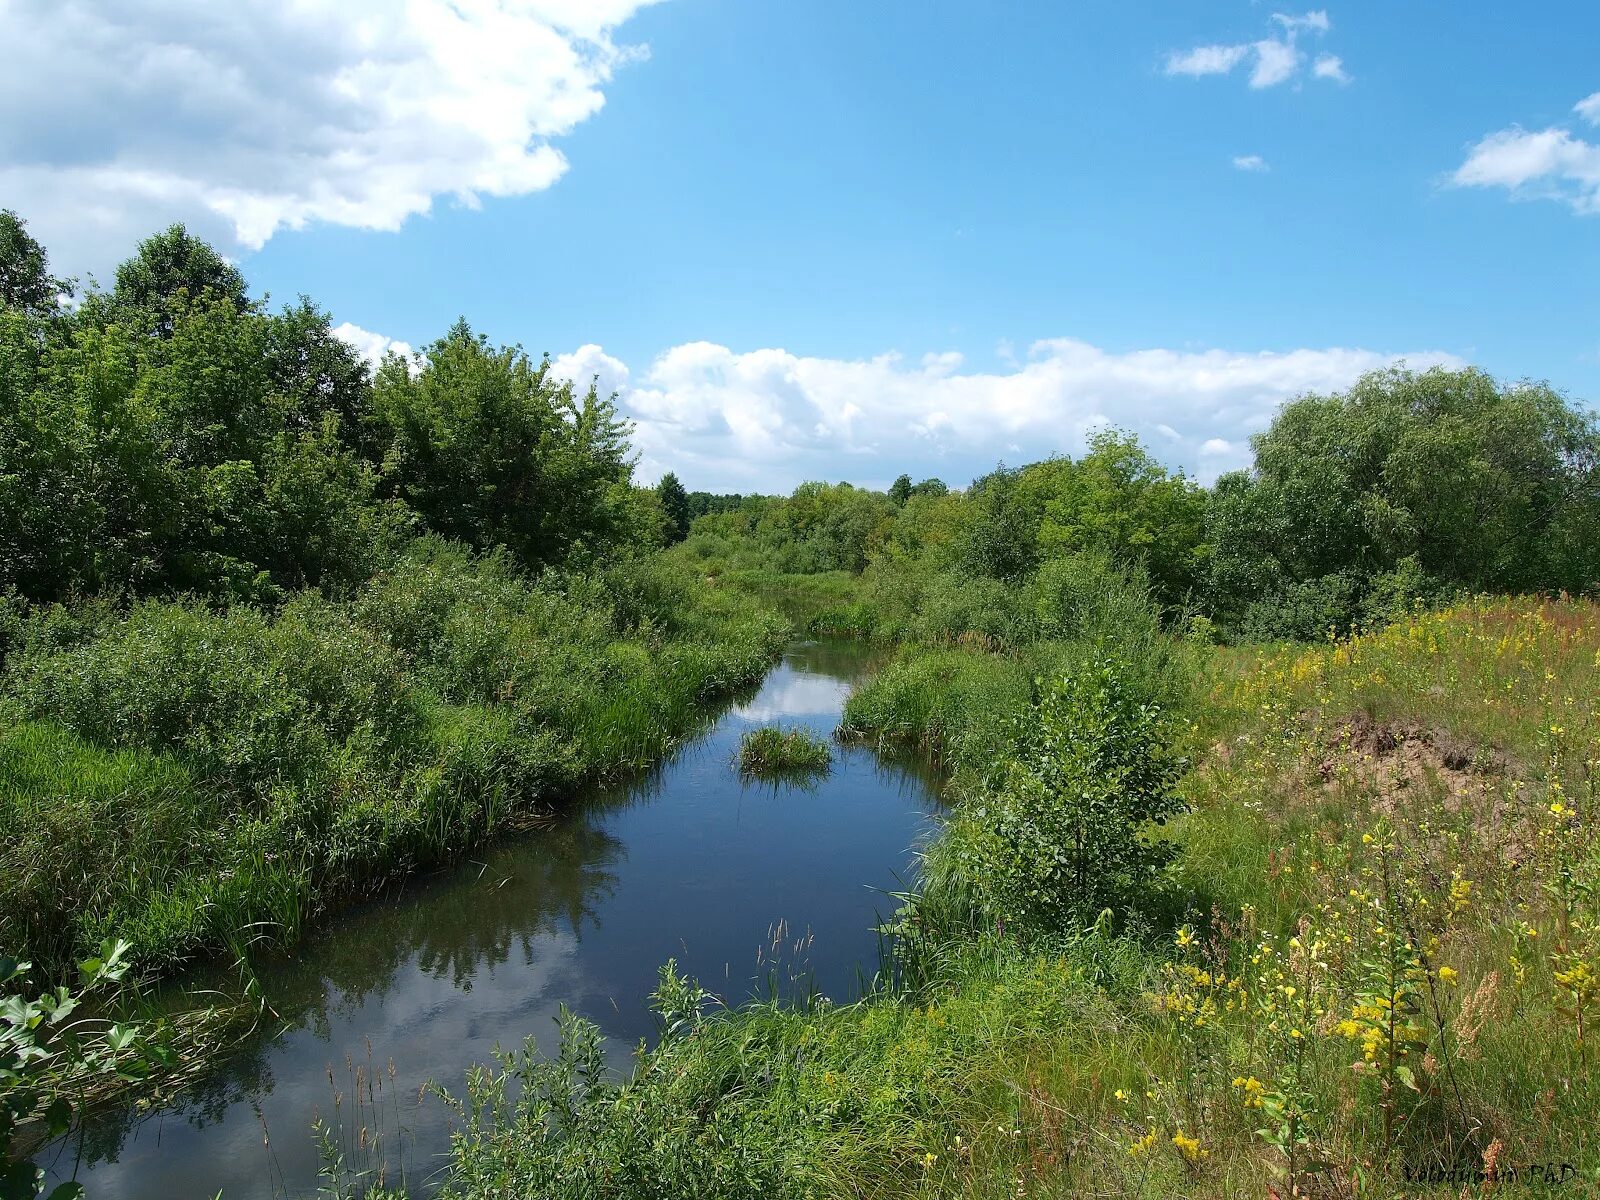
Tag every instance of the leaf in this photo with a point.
(1404, 1075)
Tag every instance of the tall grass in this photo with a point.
(769, 751)
(199, 780)
(1383, 975)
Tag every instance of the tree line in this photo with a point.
(171, 434)
(1410, 486)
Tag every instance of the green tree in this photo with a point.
(26, 284)
(1425, 481)
(900, 489)
(170, 271)
(675, 503)
(1118, 500)
(1066, 831)
(488, 448)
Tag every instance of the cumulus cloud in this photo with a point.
(1206, 60)
(371, 346)
(1250, 162)
(1548, 163)
(1331, 66)
(246, 118)
(1273, 60)
(767, 419)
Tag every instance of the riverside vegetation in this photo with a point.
(769, 751)
(1272, 866)
(277, 629)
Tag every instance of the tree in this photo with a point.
(900, 489)
(1118, 500)
(675, 503)
(931, 487)
(168, 272)
(1001, 539)
(26, 284)
(1437, 480)
(488, 448)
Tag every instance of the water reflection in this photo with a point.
(743, 883)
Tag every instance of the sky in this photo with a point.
(826, 239)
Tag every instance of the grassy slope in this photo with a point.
(194, 780)
(1430, 784)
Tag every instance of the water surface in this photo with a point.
(749, 886)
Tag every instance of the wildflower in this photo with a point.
(1141, 1145)
(1252, 1088)
(1189, 1147)
(1448, 975)
(929, 1159)
(1122, 1096)
(1185, 937)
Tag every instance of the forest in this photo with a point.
(1271, 858)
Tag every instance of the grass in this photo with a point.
(1380, 978)
(198, 781)
(769, 751)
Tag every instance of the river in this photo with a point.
(750, 886)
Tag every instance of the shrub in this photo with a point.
(1065, 831)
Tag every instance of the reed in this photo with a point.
(770, 751)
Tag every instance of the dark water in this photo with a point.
(750, 887)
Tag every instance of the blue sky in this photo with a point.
(843, 240)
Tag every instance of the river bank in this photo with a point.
(755, 888)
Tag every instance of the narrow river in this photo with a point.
(749, 886)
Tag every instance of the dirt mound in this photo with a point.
(1404, 765)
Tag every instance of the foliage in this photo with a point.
(769, 751)
(489, 450)
(25, 281)
(1064, 832)
(1408, 485)
(675, 503)
(51, 1055)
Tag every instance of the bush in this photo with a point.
(1065, 831)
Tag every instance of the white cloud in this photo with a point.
(1548, 163)
(1316, 21)
(1206, 60)
(371, 346)
(1250, 162)
(246, 118)
(1274, 60)
(590, 364)
(1331, 66)
(765, 420)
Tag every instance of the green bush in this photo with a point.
(1066, 829)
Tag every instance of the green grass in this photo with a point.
(200, 781)
(1128, 1058)
(769, 751)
